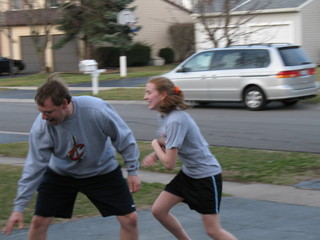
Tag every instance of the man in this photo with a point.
(71, 150)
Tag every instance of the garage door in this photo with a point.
(277, 33)
(29, 55)
(65, 59)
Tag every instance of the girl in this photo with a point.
(199, 182)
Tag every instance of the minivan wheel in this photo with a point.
(254, 99)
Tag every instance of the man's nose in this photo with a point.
(44, 116)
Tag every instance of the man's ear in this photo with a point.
(65, 103)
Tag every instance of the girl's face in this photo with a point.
(153, 97)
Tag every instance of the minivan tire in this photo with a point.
(254, 99)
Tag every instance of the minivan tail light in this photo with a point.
(312, 71)
(296, 73)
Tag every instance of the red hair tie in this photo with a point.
(176, 90)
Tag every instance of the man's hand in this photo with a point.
(15, 218)
(134, 183)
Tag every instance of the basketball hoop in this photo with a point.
(133, 27)
(126, 17)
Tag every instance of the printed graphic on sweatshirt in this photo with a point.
(76, 151)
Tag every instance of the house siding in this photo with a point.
(155, 17)
(310, 18)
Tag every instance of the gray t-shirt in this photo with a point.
(181, 132)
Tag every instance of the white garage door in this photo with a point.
(275, 33)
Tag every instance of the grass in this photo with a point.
(239, 164)
(119, 94)
(72, 78)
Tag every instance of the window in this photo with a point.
(16, 4)
(240, 59)
(293, 56)
(200, 62)
(53, 3)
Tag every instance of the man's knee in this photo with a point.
(39, 222)
(129, 220)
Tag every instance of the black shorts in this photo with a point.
(202, 195)
(108, 192)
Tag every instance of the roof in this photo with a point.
(37, 16)
(249, 5)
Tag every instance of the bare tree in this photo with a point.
(182, 39)
(223, 21)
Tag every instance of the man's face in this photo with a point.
(52, 113)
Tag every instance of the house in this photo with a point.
(155, 17)
(291, 21)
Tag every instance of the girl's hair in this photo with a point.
(174, 98)
(53, 88)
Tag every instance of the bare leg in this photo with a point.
(213, 228)
(39, 228)
(129, 226)
(160, 211)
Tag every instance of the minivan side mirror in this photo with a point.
(183, 69)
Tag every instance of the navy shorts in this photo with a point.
(202, 195)
(108, 192)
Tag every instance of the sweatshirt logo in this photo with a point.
(76, 151)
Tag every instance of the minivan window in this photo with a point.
(240, 59)
(293, 56)
(200, 62)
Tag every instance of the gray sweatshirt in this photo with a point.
(91, 134)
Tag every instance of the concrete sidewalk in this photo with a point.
(254, 212)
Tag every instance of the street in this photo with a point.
(279, 128)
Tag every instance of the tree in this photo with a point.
(182, 39)
(223, 20)
(94, 22)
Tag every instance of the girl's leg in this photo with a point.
(213, 228)
(160, 211)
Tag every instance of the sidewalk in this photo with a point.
(254, 212)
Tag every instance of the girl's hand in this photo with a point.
(149, 160)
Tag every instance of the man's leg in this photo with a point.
(129, 226)
(39, 227)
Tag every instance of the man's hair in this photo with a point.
(175, 97)
(53, 88)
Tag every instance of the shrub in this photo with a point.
(139, 55)
(107, 56)
(167, 54)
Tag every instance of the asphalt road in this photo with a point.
(295, 128)
(290, 129)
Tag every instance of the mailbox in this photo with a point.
(89, 65)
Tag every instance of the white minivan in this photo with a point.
(254, 74)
